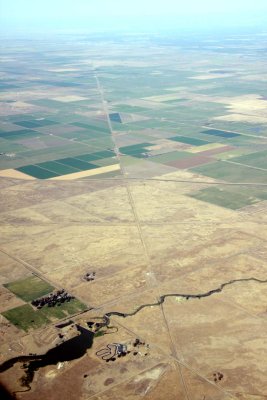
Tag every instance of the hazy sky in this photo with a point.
(112, 14)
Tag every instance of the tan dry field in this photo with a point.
(143, 240)
(247, 108)
(205, 147)
(165, 146)
(84, 174)
(8, 300)
(252, 119)
(69, 98)
(12, 173)
(33, 93)
(19, 107)
(127, 117)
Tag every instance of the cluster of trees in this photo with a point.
(89, 276)
(53, 299)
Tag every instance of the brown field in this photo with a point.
(219, 150)
(190, 162)
(8, 300)
(77, 229)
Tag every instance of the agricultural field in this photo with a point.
(27, 317)
(30, 288)
(133, 176)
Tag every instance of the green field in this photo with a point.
(102, 142)
(88, 157)
(232, 172)
(30, 288)
(10, 147)
(135, 150)
(57, 168)
(75, 163)
(104, 154)
(96, 127)
(233, 153)
(103, 162)
(25, 317)
(36, 123)
(37, 172)
(63, 310)
(224, 198)
(189, 140)
(21, 134)
(69, 165)
(259, 192)
(258, 160)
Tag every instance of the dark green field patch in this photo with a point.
(218, 132)
(25, 317)
(29, 288)
(21, 134)
(35, 123)
(189, 140)
(37, 172)
(135, 150)
(79, 164)
(136, 153)
(224, 198)
(115, 117)
(27, 124)
(58, 168)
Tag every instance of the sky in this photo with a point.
(132, 14)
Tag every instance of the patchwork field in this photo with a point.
(133, 176)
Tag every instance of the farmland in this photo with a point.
(141, 164)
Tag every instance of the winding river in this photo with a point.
(77, 346)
